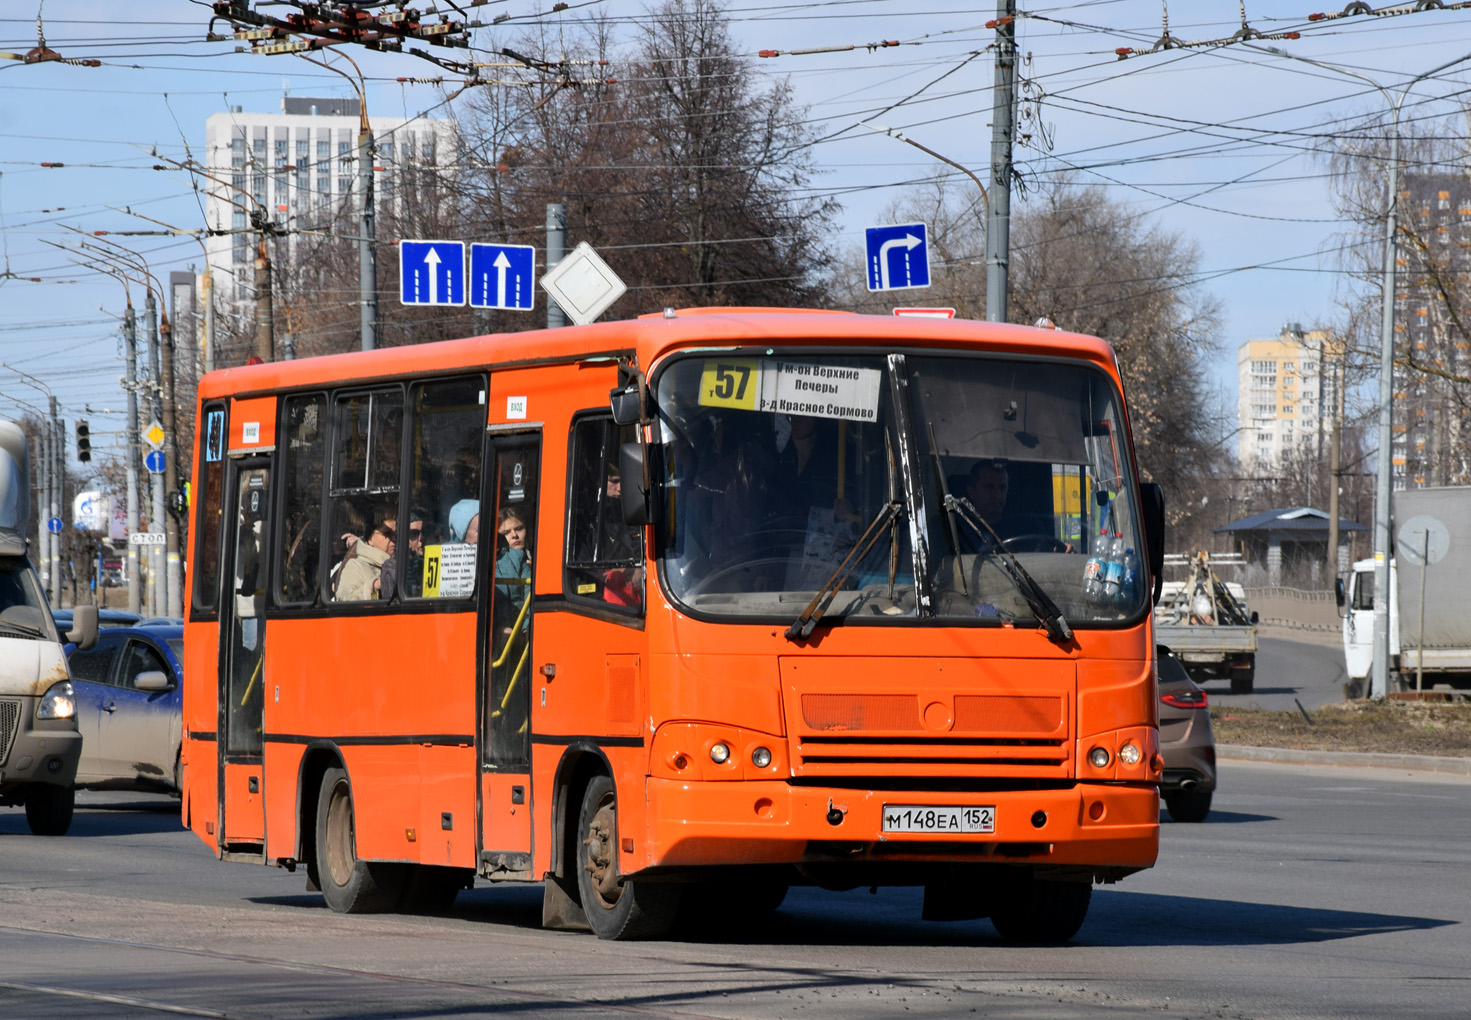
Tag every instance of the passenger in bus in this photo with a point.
(464, 521)
(414, 578)
(359, 577)
(616, 541)
(514, 565)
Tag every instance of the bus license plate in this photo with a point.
(921, 818)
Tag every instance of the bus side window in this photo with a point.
(303, 470)
(446, 446)
(364, 495)
(604, 558)
(211, 500)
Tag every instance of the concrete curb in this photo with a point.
(1347, 759)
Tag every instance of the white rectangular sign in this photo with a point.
(147, 538)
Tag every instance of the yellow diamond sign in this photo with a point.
(155, 435)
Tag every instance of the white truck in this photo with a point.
(1205, 622)
(39, 742)
(1429, 612)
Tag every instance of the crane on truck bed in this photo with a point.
(1207, 624)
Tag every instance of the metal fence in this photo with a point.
(1294, 608)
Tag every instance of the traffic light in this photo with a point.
(84, 442)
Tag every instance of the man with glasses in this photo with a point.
(414, 579)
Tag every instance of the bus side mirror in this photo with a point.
(1340, 595)
(624, 404)
(638, 504)
(1152, 500)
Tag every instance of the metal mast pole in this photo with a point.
(998, 223)
(130, 329)
(155, 484)
(367, 243)
(58, 494)
(47, 436)
(175, 572)
(556, 248)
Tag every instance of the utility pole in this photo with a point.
(367, 242)
(58, 496)
(156, 514)
(43, 490)
(1334, 455)
(556, 248)
(175, 572)
(264, 328)
(130, 330)
(1003, 121)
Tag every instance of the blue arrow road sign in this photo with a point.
(898, 257)
(431, 272)
(53, 525)
(153, 461)
(503, 276)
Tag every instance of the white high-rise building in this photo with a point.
(1287, 395)
(301, 167)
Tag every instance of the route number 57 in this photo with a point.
(730, 383)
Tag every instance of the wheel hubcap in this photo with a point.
(602, 860)
(341, 851)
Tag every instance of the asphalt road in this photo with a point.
(1288, 671)
(1309, 893)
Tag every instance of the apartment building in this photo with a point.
(1432, 427)
(301, 167)
(1287, 396)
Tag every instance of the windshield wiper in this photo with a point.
(1035, 595)
(803, 626)
(22, 628)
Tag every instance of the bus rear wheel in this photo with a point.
(616, 908)
(349, 885)
(1032, 910)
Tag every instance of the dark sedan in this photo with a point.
(129, 697)
(1185, 742)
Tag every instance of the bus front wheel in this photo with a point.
(349, 885)
(1033, 910)
(616, 908)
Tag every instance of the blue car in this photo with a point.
(129, 690)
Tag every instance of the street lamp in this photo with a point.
(367, 241)
(49, 488)
(994, 312)
(1379, 678)
(167, 566)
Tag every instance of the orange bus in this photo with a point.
(674, 613)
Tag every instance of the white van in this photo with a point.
(39, 742)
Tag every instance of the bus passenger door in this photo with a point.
(242, 680)
(506, 682)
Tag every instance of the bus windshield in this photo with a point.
(922, 487)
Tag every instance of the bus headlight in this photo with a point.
(719, 754)
(761, 757)
(1098, 757)
(1130, 754)
(60, 702)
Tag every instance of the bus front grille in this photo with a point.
(935, 756)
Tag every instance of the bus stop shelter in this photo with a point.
(1291, 543)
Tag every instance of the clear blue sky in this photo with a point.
(1210, 143)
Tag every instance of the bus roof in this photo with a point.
(649, 337)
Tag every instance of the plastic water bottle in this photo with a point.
(1113, 568)
(1093, 570)
(1129, 581)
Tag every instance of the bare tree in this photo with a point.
(1090, 266)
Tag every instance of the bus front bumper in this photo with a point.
(1102, 826)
